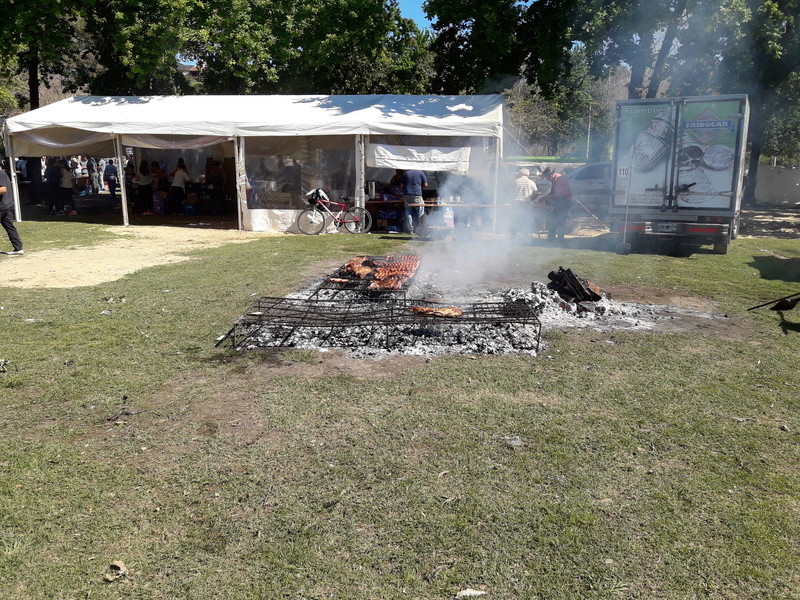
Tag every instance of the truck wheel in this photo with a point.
(721, 246)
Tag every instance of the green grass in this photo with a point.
(651, 465)
(50, 235)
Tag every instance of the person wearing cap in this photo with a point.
(559, 201)
(522, 211)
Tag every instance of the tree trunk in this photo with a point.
(32, 66)
(638, 68)
(663, 52)
(756, 143)
(552, 146)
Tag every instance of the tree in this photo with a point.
(39, 40)
(316, 46)
(780, 136)
(13, 89)
(475, 41)
(771, 58)
(240, 45)
(561, 119)
(356, 46)
(131, 47)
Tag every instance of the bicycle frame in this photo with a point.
(340, 216)
(324, 205)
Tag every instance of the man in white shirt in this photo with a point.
(522, 220)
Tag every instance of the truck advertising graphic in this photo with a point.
(678, 168)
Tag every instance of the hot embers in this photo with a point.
(490, 327)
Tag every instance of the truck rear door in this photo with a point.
(644, 154)
(712, 133)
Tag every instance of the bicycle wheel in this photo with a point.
(357, 220)
(311, 221)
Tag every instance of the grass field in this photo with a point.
(647, 465)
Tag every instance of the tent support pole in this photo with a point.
(121, 178)
(241, 177)
(12, 167)
(497, 157)
(360, 161)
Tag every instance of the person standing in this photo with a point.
(414, 204)
(522, 212)
(145, 187)
(52, 175)
(110, 176)
(560, 201)
(66, 187)
(7, 214)
(94, 175)
(177, 191)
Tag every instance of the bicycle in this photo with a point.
(312, 220)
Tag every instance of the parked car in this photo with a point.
(591, 184)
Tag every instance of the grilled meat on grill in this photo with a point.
(437, 311)
(393, 270)
(393, 282)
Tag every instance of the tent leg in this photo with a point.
(241, 177)
(498, 156)
(121, 177)
(12, 160)
(360, 161)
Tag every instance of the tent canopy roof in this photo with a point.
(479, 115)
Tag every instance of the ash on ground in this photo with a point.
(374, 340)
(371, 342)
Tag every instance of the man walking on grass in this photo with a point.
(7, 214)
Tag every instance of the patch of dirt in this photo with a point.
(647, 295)
(771, 221)
(135, 248)
(181, 417)
(684, 313)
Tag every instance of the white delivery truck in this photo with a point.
(678, 169)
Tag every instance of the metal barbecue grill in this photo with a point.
(355, 323)
(358, 286)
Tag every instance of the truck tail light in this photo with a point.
(696, 229)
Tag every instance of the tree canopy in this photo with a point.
(564, 49)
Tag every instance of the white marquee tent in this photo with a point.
(265, 134)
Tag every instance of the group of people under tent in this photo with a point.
(62, 179)
(530, 212)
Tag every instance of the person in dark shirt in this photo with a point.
(111, 177)
(560, 201)
(7, 214)
(413, 182)
(53, 177)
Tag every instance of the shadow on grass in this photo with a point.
(775, 268)
(787, 326)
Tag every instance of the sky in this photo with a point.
(412, 9)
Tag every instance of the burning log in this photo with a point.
(573, 288)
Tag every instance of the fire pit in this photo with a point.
(411, 326)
